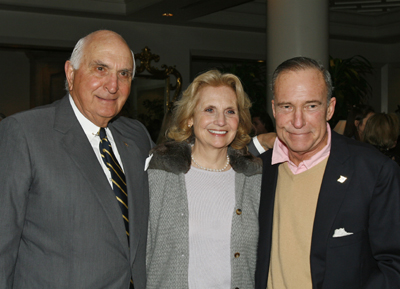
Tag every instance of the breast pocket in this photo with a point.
(346, 240)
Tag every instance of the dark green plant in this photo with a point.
(350, 84)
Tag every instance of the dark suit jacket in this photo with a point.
(367, 204)
(61, 226)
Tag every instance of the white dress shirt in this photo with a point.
(92, 132)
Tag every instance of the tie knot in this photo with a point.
(102, 133)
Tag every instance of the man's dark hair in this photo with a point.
(303, 63)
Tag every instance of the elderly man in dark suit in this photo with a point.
(74, 206)
(330, 206)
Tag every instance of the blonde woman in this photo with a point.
(204, 191)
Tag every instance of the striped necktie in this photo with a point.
(117, 177)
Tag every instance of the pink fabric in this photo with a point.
(280, 154)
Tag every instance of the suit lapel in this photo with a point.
(266, 213)
(330, 199)
(79, 149)
(135, 176)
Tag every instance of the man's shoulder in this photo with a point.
(356, 148)
(125, 124)
(363, 155)
(35, 115)
(266, 156)
(132, 129)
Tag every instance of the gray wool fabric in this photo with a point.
(168, 241)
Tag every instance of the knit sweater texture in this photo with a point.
(168, 236)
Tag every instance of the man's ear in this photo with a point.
(69, 73)
(331, 108)
(273, 107)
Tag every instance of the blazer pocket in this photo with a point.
(346, 240)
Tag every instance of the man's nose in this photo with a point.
(111, 84)
(298, 118)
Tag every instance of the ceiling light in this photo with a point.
(168, 14)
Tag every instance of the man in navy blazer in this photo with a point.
(61, 225)
(354, 235)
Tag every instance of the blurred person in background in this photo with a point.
(262, 123)
(356, 120)
(382, 131)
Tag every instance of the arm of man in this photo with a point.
(384, 228)
(262, 143)
(15, 179)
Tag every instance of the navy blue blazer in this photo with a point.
(367, 203)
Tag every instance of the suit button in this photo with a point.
(236, 287)
(238, 212)
(237, 255)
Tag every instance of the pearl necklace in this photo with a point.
(213, 170)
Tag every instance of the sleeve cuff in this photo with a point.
(258, 146)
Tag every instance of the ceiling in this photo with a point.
(226, 14)
(365, 6)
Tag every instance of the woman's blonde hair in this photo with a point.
(185, 107)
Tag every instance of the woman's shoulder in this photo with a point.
(244, 162)
(172, 157)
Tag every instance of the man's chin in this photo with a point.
(298, 148)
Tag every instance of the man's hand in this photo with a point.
(267, 140)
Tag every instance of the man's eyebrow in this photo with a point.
(283, 103)
(98, 63)
(307, 102)
(314, 101)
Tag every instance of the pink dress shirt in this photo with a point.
(280, 154)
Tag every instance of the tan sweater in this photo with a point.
(295, 204)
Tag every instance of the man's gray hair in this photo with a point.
(77, 53)
(303, 63)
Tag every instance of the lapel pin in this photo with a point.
(126, 144)
(342, 179)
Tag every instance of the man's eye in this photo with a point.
(100, 68)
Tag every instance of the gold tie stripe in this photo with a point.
(117, 177)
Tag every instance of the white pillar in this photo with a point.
(296, 28)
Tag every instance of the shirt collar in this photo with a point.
(91, 130)
(280, 154)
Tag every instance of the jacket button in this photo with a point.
(237, 255)
(238, 211)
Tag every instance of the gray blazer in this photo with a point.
(168, 237)
(61, 226)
